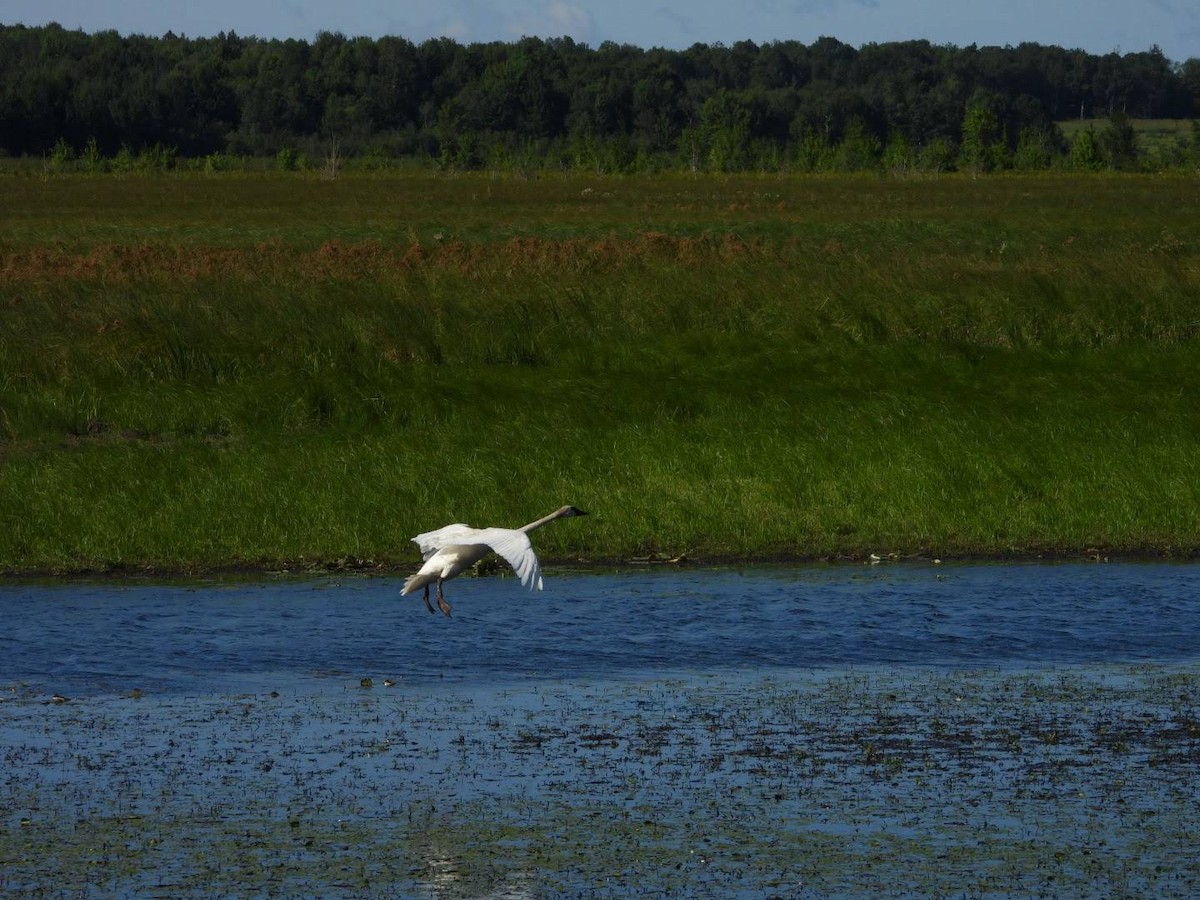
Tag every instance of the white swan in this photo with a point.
(455, 548)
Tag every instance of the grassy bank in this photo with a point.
(230, 371)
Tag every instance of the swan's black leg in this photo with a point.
(428, 605)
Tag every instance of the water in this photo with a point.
(92, 638)
(999, 730)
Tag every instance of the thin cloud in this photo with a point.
(678, 21)
(570, 18)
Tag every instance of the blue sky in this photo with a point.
(1098, 26)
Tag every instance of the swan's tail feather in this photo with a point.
(416, 582)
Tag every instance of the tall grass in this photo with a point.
(737, 368)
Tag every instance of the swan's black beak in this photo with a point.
(575, 511)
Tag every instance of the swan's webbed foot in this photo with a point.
(441, 599)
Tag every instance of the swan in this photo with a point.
(455, 548)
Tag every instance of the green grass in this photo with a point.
(200, 372)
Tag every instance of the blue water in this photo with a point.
(815, 731)
(95, 638)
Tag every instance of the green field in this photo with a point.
(1154, 136)
(273, 371)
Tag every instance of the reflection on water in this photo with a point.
(443, 873)
(107, 636)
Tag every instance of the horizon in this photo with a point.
(590, 45)
(1099, 27)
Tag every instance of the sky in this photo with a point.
(1097, 26)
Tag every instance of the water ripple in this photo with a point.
(98, 637)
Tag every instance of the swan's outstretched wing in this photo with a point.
(514, 546)
(432, 541)
(510, 543)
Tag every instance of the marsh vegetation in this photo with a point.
(940, 784)
(283, 371)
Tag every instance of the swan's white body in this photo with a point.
(452, 550)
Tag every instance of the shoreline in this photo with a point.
(136, 571)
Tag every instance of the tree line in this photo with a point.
(104, 96)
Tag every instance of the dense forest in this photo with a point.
(69, 95)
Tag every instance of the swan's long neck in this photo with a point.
(544, 520)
